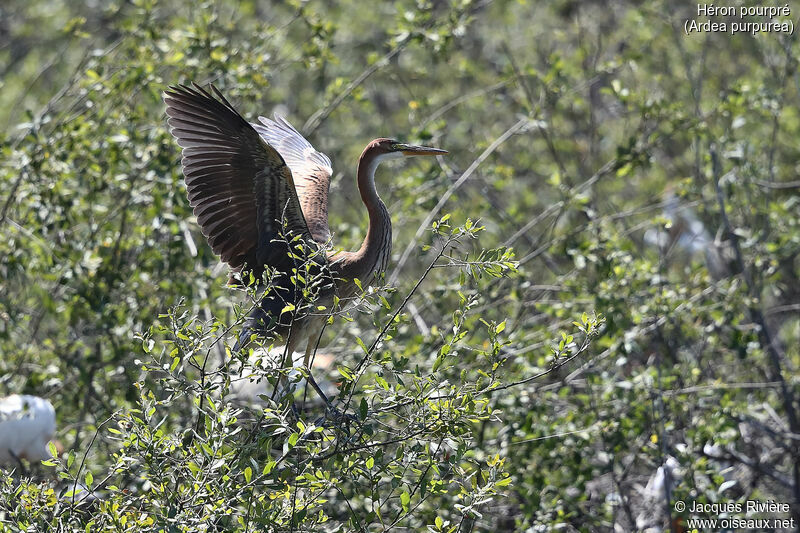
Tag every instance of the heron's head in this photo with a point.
(391, 149)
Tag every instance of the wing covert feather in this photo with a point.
(311, 171)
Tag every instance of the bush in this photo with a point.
(591, 312)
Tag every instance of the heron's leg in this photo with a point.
(311, 347)
(338, 417)
(283, 380)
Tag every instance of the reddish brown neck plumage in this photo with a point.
(373, 255)
(367, 164)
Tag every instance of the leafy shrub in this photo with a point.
(628, 309)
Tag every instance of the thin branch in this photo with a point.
(362, 364)
(461, 99)
(317, 118)
(764, 333)
(449, 192)
(778, 184)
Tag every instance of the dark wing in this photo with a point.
(239, 186)
(311, 171)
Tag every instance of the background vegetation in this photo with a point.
(610, 322)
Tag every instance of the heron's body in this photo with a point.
(260, 194)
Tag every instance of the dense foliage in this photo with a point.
(591, 312)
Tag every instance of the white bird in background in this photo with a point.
(652, 517)
(687, 237)
(27, 424)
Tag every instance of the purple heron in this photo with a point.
(260, 195)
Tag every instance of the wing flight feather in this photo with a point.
(239, 186)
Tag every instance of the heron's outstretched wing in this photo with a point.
(239, 186)
(311, 171)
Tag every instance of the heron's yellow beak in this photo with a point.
(410, 149)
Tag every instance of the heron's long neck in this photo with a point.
(373, 256)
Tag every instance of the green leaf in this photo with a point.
(346, 373)
(503, 482)
(363, 346)
(405, 500)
